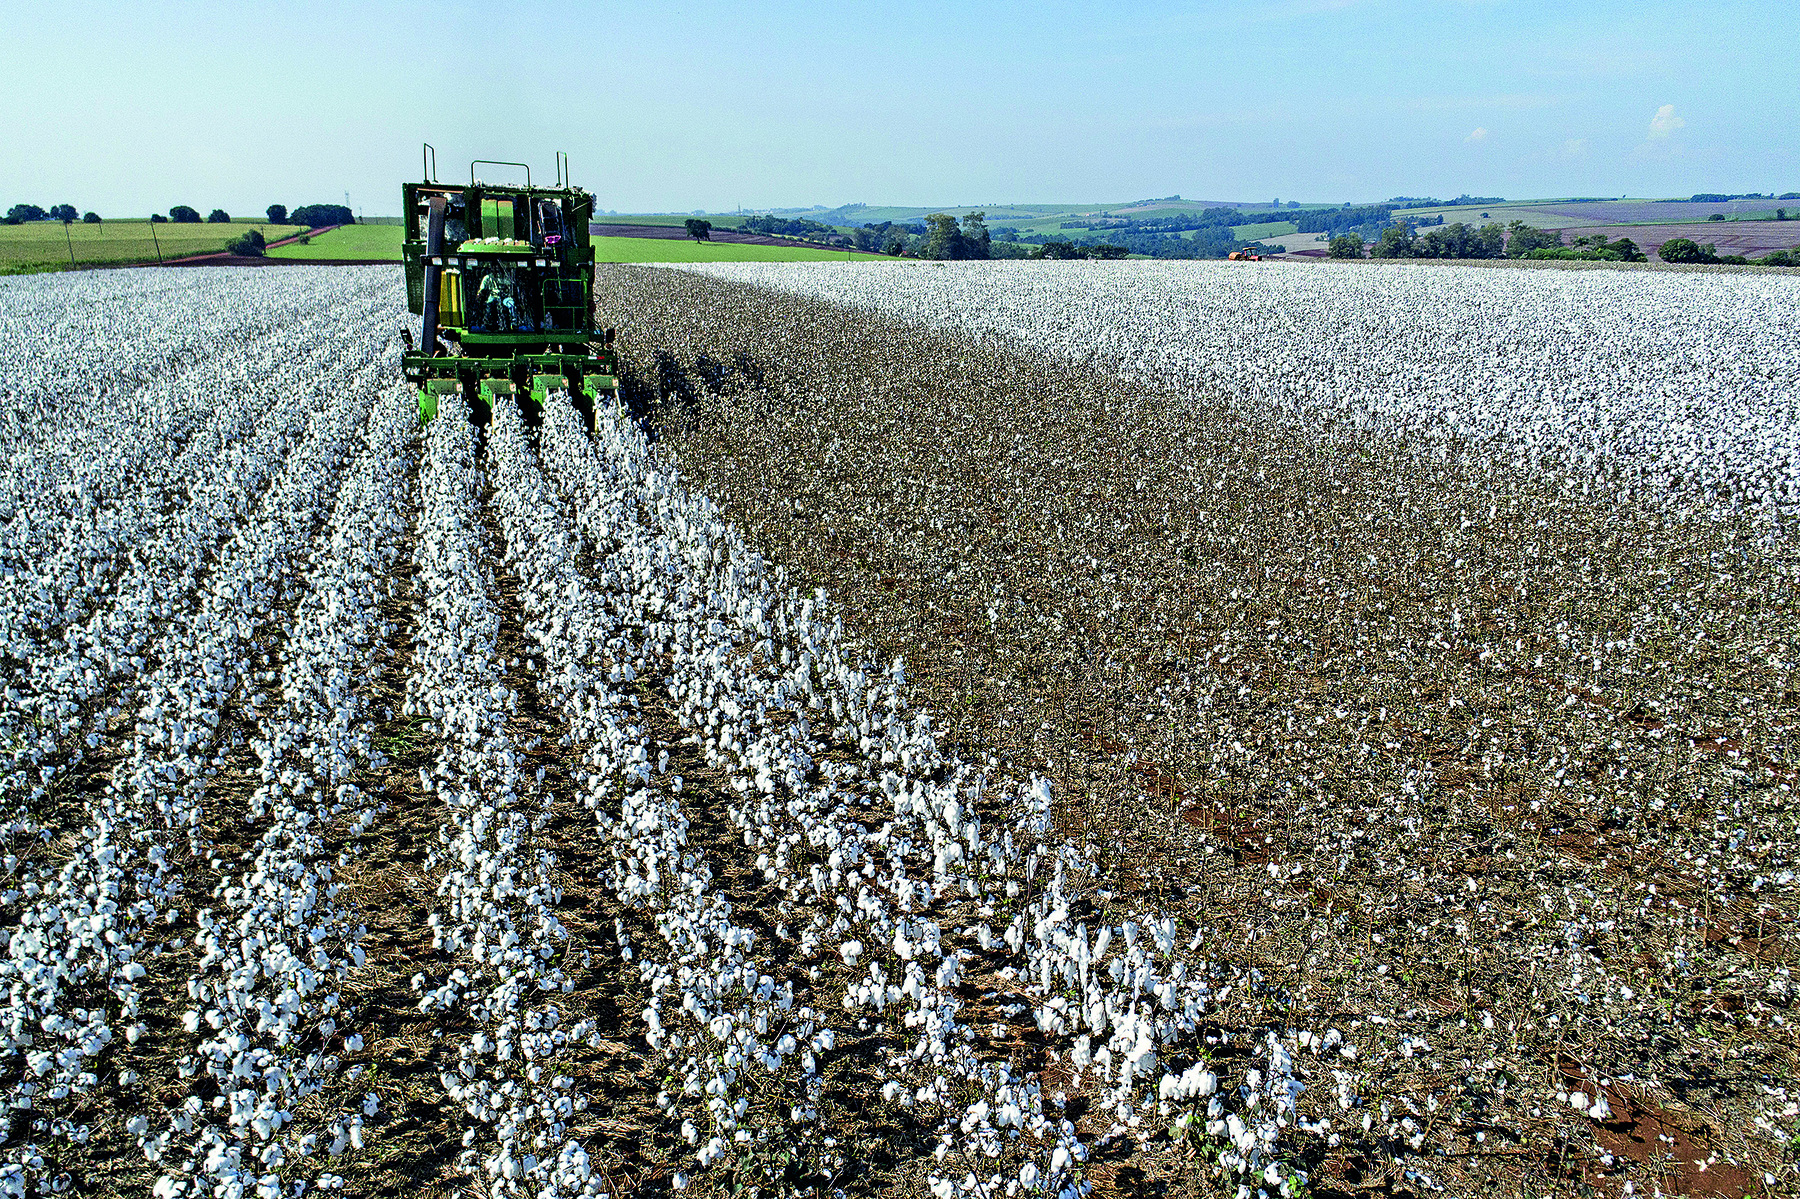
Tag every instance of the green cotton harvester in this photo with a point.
(503, 276)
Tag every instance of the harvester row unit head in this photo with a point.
(502, 276)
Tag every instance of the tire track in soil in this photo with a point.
(412, 1138)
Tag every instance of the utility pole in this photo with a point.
(70, 239)
(157, 241)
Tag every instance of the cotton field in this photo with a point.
(956, 731)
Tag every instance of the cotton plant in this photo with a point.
(266, 1012)
(729, 1031)
(90, 924)
(111, 529)
(846, 862)
(496, 925)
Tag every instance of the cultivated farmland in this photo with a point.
(46, 245)
(1750, 238)
(968, 730)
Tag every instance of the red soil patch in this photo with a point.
(1654, 1146)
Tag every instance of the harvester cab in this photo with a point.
(502, 276)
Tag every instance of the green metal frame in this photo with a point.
(486, 364)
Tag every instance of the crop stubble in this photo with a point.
(1491, 769)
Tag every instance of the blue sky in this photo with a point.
(130, 107)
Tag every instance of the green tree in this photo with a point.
(975, 240)
(248, 244)
(218, 216)
(157, 218)
(942, 238)
(277, 214)
(1397, 241)
(65, 213)
(1106, 252)
(1627, 250)
(1345, 245)
(1058, 248)
(317, 216)
(18, 214)
(1522, 239)
(698, 229)
(1679, 250)
(181, 214)
(90, 218)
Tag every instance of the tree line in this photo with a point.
(1519, 240)
(310, 215)
(18, 214)
(1684, 251)
(1492, 240)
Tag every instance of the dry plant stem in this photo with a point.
(1493, 772)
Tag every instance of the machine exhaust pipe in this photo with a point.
(434, 251)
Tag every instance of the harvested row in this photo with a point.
(1470, 763)
(1652, 388)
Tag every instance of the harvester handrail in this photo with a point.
(428, 166)
(495, 162)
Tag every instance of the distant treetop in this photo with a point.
(318, 215)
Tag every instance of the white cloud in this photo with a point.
(1575, 147)
(1665, 122)
(1479, 135)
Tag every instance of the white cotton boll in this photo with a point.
(850, 951)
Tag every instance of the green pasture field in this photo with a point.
(719, 220)
(348, 241)
(41, 245)
(1264, 229)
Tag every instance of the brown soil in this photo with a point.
(917, 488)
